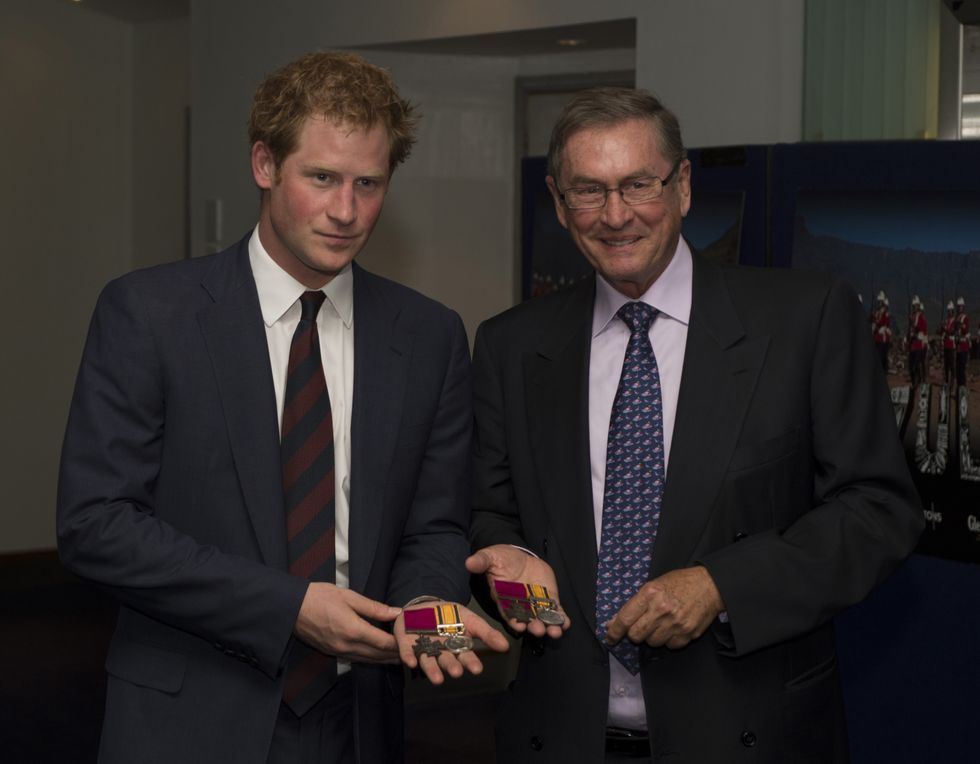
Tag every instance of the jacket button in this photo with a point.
(748, 739)
(536, 743)
(741, 535)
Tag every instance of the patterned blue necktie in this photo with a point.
(634, 480)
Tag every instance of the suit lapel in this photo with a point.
(235, 338)
(556, 379)
(719, 375)
(382, 349)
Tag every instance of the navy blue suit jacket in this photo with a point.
(170, 498)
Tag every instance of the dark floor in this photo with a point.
(53, 636)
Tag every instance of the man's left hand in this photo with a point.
(671, 610)
(455, 665)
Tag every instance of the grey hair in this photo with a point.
(603, 107)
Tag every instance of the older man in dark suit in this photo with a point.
(700, 462)
(267, 457)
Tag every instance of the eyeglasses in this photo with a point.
(636, 191)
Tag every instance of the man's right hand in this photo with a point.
(508, 563)
(332, 620)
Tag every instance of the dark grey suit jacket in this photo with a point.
(170, 498)
(785, 479)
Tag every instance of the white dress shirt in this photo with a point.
(671, 295)
(279, 295)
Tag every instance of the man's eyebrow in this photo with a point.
(316, 168)
(582, 180)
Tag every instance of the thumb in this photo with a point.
(478, 562)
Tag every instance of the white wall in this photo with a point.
(732, 71)
(447, 221)
(69, 217)
(65, 214)
(161, 98)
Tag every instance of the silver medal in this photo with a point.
(457, 643)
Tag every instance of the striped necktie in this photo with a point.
(308, 491)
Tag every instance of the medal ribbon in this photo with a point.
(442, 619)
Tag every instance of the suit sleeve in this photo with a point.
(496, 519)
(433, 548)
(865, 515)
(109, 530)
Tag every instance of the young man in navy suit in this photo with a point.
(266, 459)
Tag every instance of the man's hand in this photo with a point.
(447, 662)
(332, 620)
(507, 563)
(671, 610)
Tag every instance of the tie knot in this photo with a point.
(637, 316)
(310, 303)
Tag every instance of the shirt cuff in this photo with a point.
(420, 599)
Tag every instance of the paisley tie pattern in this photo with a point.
(634, 483)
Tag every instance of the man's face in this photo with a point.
(629, 245)
(321, 204)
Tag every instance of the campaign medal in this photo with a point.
(457, 643)
(549, 615)
(545, 608)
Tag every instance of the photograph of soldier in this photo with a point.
(947, 335)
(881, 328)
(962, 341)
(918, 339)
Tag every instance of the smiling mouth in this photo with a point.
(620, 241)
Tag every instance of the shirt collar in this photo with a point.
(278, 291)
(670, 293)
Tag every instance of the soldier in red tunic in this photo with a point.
(918, 339)
(881, 329)
(947, 334)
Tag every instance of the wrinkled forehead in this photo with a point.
(622, 148)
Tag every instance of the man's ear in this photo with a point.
(684, 186)
(263, 166)
(560, 210)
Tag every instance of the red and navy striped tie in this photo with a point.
(308, 490)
